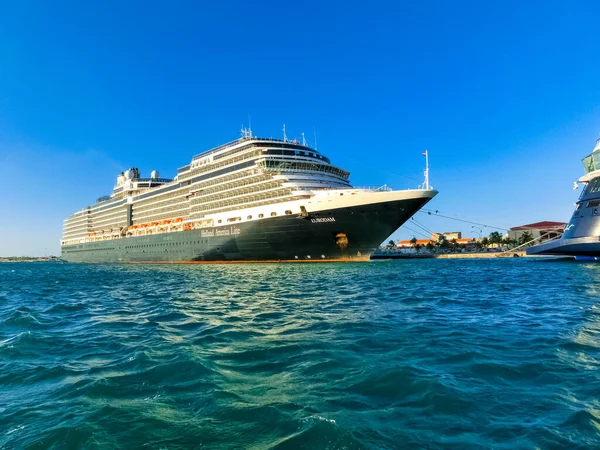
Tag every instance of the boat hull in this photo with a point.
(346, 232)
(583, 246)
(581, 236)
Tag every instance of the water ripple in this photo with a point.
(436, 354)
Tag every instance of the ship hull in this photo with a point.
(346, 232)
(583, 246)
(581, 236)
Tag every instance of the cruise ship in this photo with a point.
(582, 235)
(251, 199)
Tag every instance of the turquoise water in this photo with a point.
(454, 354)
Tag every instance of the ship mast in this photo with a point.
(426, 153)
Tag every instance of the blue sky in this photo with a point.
(505, 95)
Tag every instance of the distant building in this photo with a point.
(463, 242)
(409, 244)
(543, 231)
(449, 235)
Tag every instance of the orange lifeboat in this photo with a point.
(187, 226)
(179, 219)
(164, 222)
(155, 223)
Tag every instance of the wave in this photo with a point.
(22, 317)
(422, 354)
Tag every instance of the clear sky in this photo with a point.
(505, 95)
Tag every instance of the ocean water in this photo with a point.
(434, 354)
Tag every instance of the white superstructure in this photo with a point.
(248, 179)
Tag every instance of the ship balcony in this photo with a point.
(231, 188)
(240, 200)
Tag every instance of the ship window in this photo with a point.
(234, 219)
(260, 216)
(593, 203)
(588, 164)
(220, 221)
(288, 212)
(249, 217)
(273, 214)
(592, 187)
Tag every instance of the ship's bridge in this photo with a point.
(591, 162)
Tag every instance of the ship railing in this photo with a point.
(294, 141)
(242, 139)
(540, 238)
(220, 147)
(158, 180)
(384, 188)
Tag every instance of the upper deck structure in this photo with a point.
(247, 182)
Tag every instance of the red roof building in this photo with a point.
(540, 226)
(540, 231)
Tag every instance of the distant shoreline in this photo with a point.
(13, 259)
(474, 255)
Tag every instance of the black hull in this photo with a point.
(315, 237)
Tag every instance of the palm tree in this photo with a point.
(495, 238)
(391, 244)
(455, 245)
(508, 243)
(525, 237)
(485, 242)
(442, 242)
(413, 241)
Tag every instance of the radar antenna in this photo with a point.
(303, 140)
(246, 132)
(284, 135)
